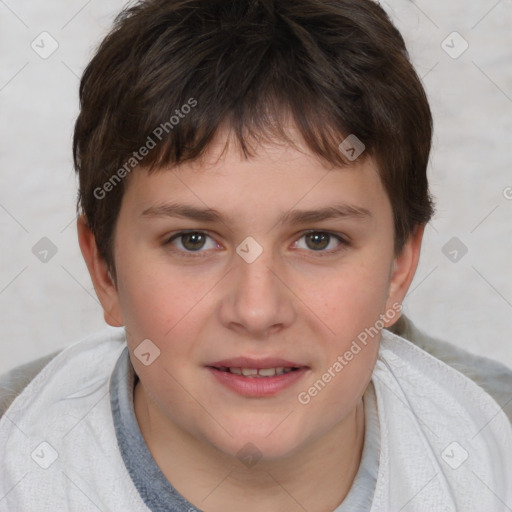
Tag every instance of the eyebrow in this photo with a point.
(291, 217)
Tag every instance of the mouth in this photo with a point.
(257, 378)
(252, 373)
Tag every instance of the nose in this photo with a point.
(257, 301)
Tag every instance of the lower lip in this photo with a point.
(257, 386)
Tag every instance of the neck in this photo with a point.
(316, 478)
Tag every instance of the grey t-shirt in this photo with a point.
(158, 493)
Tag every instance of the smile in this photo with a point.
(255, 372)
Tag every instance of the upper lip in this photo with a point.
(249, 362)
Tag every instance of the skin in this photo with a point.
(291, 302)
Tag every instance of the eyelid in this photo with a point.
(177, 234)
(339, 236)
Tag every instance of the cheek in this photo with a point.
(165, 317)
(164, 306)
(156, 299)
(350, 300)
(349, 355)
(351, 304)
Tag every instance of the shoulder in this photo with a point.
(14, 382)
(494, 377)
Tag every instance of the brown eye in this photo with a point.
(193, 241)
(321, 242)
(317, 240)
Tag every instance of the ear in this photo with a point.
(103, 283)
(403, 270)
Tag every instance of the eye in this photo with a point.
(191, 241)
(321, 241)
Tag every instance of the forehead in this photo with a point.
(277, 177)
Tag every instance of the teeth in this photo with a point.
(267, 372)
(262, 372)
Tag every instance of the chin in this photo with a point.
(253, 443)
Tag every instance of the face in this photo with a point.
(273, 265)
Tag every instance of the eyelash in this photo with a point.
(343, 243)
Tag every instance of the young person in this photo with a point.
(253, 195)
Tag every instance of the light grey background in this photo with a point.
(45, 306)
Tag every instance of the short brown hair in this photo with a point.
(335, 67)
